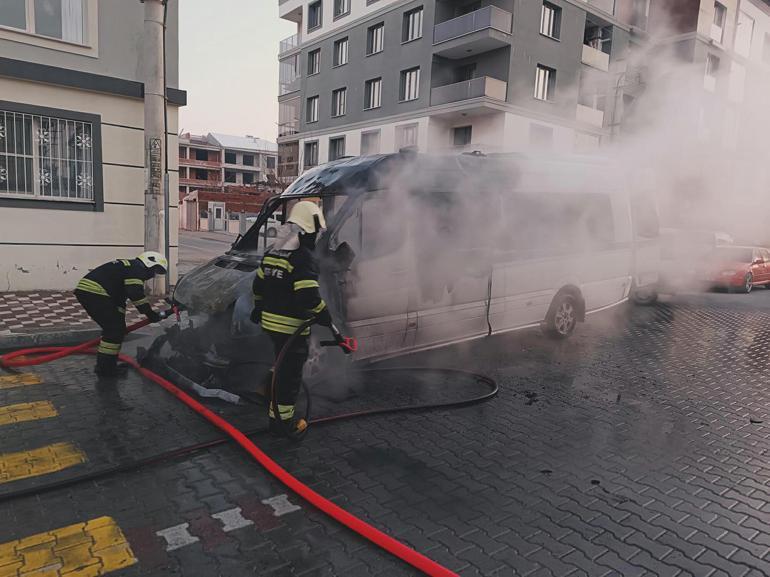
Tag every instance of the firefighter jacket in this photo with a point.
(119, 280)
(286, 290)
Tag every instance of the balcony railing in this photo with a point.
(289, 43)
(199, 163)
(595, 58)
(200, 183)
(484, 86)
(288, 128)
(589, 115)
(487, 17)
(287, 87)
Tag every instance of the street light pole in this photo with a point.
(154, 141)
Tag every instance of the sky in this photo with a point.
(228, 64)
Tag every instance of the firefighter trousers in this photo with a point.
(112, 321)
(289, 378)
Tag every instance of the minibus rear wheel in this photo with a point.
(562, 317)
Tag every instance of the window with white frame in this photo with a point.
(336, 148)
(370, 142)
(62, 19)
(341, 8)
(412, 26)
(340, 52)
(720, 17)
(375, 38)
(550, 20)
(339, 101)
(314, 61)
(406, 135)
(410, 84)
(315, 15)
(312, 109)
(545, 82)
(311, 154)
(373, 93)
(46, 157)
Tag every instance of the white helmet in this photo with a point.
(307, 216)
(154, 261)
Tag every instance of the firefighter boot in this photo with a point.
(107, 366)
(290, 426)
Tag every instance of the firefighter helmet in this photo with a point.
(154, 261)
(307, 216)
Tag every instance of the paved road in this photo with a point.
(196, 248)
(639, 447)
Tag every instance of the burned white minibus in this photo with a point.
(423, 251)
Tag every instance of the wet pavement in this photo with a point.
(639, 447)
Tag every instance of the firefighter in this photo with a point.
(286, 294)
(103, 293)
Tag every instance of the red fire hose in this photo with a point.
(36, 356)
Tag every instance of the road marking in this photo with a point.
(232, 519)
(42, 461)
(11, 381)
(177, 536)
(281, 505)
(21, 412)
(84, 549)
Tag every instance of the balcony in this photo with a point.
(595, 58)
(287, 87)
(287, 44)
(482, 87)
(486, 29)
(288, 128)
(213, 164)
(589, 115)
(717, 33)
(200, 183)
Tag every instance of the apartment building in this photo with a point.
(369, 76)
(221, 174)
(72, 155)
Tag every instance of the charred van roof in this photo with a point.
(342, 176)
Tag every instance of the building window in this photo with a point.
(545, 82)
(62, 19)
(339, 101)
(312, 109)
(248, 178)
(230, 157)
(314, 62)
(341, 8)
(375, 38)
(550, 20)
(45, 155)
(540, 137)
(462, 135)
(248, 160)
(712, 69)
(314, 15)
(230, 176)
(201, 154)
(270, 162)
(372, 93)
(412, 26)
(407, 135)
(336, 148)
(370, 142)
(720, 16)
(410, 84)
(340, 52)
(311, 154)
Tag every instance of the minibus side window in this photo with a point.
(383, 226)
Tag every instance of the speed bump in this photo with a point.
(21, 412)
(18, 380)
(87, 549)
(41, 461)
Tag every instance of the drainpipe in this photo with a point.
(154, 141)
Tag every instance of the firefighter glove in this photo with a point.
(256, 315)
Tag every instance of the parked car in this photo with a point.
(739, 268)
(424, 251)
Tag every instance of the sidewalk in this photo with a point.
(41, 318)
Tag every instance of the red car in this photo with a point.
(740, 267)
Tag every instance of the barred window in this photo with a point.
(44, 157)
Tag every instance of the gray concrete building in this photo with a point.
(368, 76)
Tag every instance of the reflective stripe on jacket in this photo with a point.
(119, 280)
